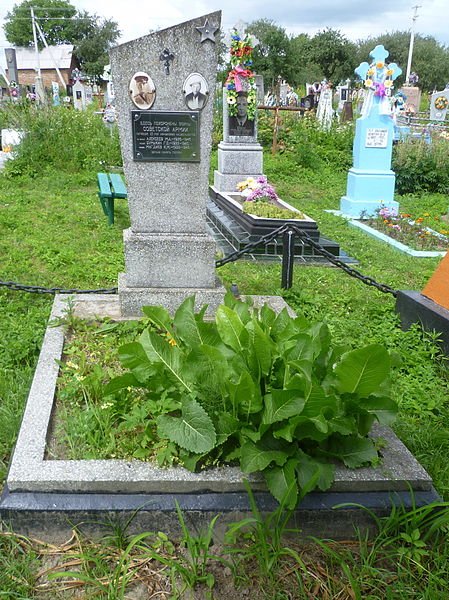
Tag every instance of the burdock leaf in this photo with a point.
(193, 430)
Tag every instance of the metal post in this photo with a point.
(412, 39)
(40, 94)
(41, 33)
(288, 259)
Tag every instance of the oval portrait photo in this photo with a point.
(142, 90)
(196, 91)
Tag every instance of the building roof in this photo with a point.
(62, 56)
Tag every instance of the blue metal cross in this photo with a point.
(379, 54)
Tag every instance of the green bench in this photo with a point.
(110, 186)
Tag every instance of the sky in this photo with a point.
(356, 19)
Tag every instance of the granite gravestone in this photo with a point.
(166, 148)
(239, 154)
(371, 180)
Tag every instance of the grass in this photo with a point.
(55, 234)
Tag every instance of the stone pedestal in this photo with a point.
(168, 252)
(236, 162)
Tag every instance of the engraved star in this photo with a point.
(207, 31)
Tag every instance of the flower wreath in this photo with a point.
(241, 50)
(441, 103)
(379, 79)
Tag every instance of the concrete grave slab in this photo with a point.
(42, 494)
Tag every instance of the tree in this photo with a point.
(92, 37)
(63, 24)
(54, 19)
(271, 56)
(304, 70)
(430, 58)
(334, 54)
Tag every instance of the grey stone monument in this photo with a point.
(166, 149)
(239, 154)
(438, 107)
(13, 74)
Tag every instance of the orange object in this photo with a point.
(437, 288)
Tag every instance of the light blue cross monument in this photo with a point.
(371, 181)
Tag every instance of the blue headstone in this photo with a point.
(371, 181)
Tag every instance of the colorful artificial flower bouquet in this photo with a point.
(257, 190)
(241, 50)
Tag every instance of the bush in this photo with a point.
(58, 138)
(306, 143)
(420, 166)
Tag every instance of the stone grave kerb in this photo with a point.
(168, 253)
(371, 181)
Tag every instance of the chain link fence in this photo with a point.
(289, 233)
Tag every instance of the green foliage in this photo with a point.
(304, 144)
(420, 166)
(92, 38)
(430, 57)
(55, 15)
(18, 565)
(271, 56)
(270, 211)
(59, 139)
(334, 54)
(266, 389)
(61, 23)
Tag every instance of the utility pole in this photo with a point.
(40, 94)
(412, 39)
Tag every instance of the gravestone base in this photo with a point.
(368, 191)
(133, 298)
(236, 162)
(169, 259)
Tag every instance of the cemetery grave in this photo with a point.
(168, 257)
(42, 491)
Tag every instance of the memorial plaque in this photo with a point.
(376, 138)
(165, 136)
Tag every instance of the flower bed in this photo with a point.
(414, 232)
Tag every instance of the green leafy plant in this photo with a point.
(420, 166)
(265, 390)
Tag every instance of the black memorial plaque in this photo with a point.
(165, 136)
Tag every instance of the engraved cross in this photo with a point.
(167, 57)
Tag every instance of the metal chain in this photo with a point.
(264, 240)
(386, 289)
(37, 289)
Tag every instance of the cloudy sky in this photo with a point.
(354, 18)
